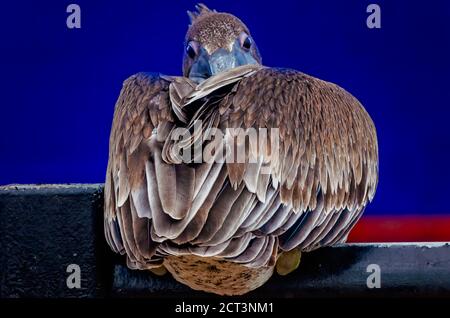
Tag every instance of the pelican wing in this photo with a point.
(143, 107)
(325, 164)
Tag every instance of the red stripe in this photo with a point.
(396, 228)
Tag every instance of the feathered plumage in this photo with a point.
(220, 226)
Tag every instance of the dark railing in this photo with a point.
(49, 233)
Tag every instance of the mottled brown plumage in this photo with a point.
(231, 221)
(215, 30)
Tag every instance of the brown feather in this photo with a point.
(320, 178)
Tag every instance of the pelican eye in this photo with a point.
(247, 43)
(190, 51)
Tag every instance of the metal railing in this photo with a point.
(52, 245)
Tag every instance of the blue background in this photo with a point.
(59, 86)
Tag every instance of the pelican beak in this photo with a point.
(221, 60)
